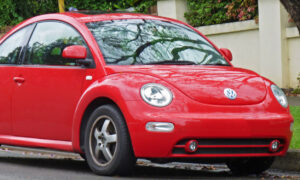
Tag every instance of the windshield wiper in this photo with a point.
(172, 62)
(217, 64)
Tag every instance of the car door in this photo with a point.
(10, 50)
(49, 86)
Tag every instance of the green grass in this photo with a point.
(295, 144)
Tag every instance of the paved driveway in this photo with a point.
(294, 101)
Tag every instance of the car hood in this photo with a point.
(206, 84)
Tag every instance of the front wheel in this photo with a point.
(245, 166)
(107, 144)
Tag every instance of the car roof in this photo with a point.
(92, 16)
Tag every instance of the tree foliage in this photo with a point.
(208, 12)
(141, 6)
(8, 13)
(15, 11)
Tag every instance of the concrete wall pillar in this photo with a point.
(273, 61)
(172, 8)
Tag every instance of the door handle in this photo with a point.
(19, 79)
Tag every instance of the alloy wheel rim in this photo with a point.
(103, 140)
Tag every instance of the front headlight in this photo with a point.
(279, 95)
(156, 95)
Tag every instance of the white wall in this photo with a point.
(242, 38)
(172, 8)
(244, 46)
(294, 60)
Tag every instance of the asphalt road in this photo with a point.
(29, 164)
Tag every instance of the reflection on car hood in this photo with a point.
(206, 84)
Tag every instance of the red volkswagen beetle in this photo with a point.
(121, 86)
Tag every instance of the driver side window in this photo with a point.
(48, 42)
(10, 49)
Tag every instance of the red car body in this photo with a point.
(46, 106)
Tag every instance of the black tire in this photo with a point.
(246, 166)
(111, 152)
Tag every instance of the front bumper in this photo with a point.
(234, 132)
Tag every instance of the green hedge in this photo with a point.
(14, 11)
(208, 12)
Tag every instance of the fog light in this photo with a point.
(160, 126)
(191, 146)
(274, 146)
(292, 127)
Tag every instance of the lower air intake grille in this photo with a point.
(228, 146)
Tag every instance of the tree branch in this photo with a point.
(293, 7)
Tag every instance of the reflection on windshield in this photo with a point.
(138, 41)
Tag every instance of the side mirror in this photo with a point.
(75, 52)
(227, 53)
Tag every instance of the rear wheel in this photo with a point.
(107, 144)
(245, 166)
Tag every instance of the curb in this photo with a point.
(40, 152)
(289, 162)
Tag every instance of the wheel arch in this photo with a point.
(97, 102)
(117, 89)
(81, 116)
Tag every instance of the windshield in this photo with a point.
(139, 41)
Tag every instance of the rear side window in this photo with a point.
(48, 42)
(11, 48)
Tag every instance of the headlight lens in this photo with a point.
(279, 95)
(156, 95)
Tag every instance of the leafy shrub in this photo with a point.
(8, 15)
(141, 6)
(15, 11)
(242, 9)
(91, 4)
(144, 5)
(30, 8)
(208, 12)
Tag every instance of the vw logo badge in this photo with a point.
(230, 93)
